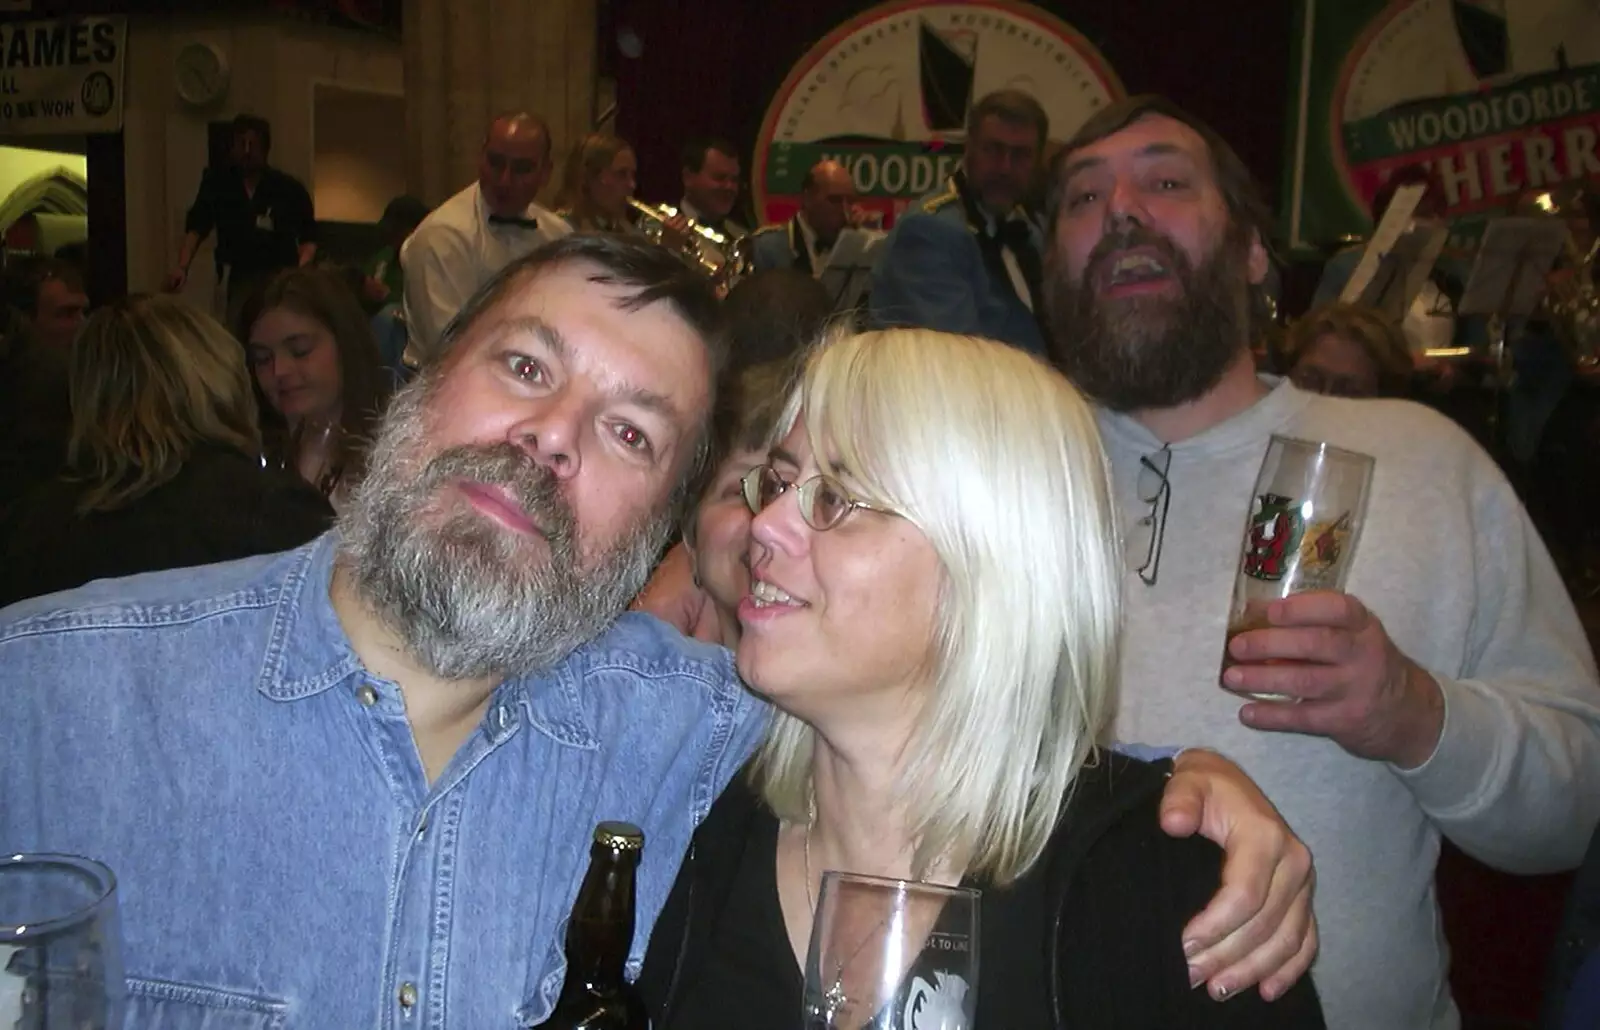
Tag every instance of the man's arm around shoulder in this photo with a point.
(1139, 885)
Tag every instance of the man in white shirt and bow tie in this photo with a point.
(480, 230)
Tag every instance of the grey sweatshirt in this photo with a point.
(1450, 563)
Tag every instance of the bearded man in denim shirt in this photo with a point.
(353, 785)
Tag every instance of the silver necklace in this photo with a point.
(834, 998)
(811, 901)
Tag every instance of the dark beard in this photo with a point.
(1149, 352)
(467, 597)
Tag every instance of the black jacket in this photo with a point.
(35, 417)
(1106, 905)
(220, 506)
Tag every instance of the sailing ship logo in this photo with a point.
(887, 93)
(947, 61)
(1499, 97)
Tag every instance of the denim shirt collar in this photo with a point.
(308, 652)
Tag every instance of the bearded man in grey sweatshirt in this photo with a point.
(1451, 691)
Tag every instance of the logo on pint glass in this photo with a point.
(1273, 539)
(942, 1003)
(1325, 543)
(1497, 97)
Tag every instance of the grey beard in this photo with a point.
(1151, 352)
(468, 598)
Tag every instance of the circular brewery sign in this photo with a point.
(887, 94)
(1498, 99)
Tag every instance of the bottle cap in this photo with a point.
(621, 836)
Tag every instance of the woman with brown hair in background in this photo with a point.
(1348, 350)
(317, 367)
(164, 464)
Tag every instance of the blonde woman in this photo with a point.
(934, 611)
(599, 177)
(164, 462)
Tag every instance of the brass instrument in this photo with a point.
(725, 259)
(1573, 303)
(1572, 300)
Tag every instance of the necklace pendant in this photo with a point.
(834, 1000)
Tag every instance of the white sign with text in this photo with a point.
(62, 76)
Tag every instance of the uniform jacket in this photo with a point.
(940, 271)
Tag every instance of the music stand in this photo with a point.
(848, 272)
(1403, 271)
(1508, 281)
(1394, 224)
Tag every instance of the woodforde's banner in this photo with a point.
(886, 94)
(62, 76)
(1500, 98)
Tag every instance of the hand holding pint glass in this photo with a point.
(1305, 518)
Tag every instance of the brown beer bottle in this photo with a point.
(596, 995)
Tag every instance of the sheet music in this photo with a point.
(1404, 270)
(1396, 220)
(1508, 276)
(847, 273)
(1430, 244)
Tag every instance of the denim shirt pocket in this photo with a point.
(168, 1005)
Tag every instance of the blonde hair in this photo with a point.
(996, 459)
(150, 378)
(592, 155)
(1380, 338)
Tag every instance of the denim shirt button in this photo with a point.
(408, 995)
(422, 825)
(367, 695)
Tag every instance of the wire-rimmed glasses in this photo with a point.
(824, 501)
(1155, 489)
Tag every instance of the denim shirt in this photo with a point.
(282, 860)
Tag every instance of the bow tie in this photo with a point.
(1014, 233)
(514, 220)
